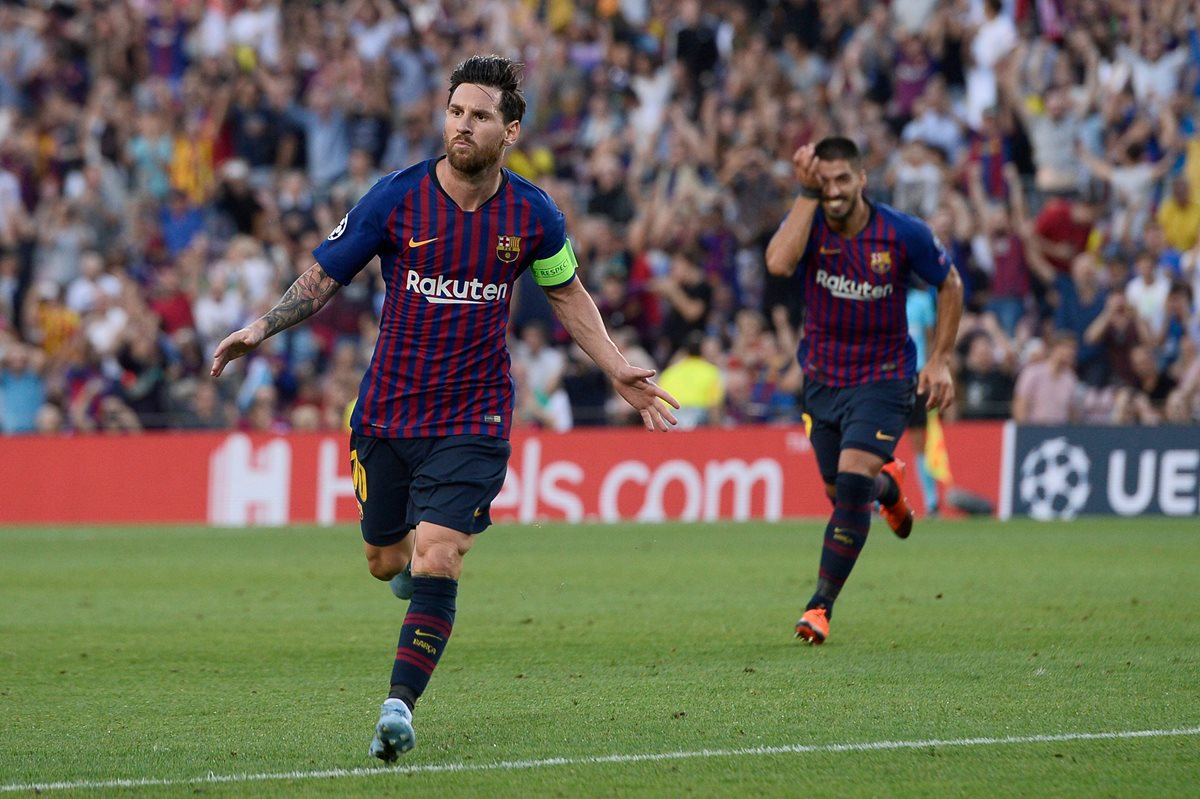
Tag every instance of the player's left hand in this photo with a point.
(635, 387)
(936, 381)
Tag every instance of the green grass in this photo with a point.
(171, 654)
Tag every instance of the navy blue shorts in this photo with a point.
(870, 417)
(449, 480)
(919, 418)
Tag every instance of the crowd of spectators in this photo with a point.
(167, 166)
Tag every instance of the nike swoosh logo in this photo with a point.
(882, 436)
(414, 244)
(422, 634)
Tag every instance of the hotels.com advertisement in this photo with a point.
(603, 475)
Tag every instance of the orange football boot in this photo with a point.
(898, 515)
(813, 626)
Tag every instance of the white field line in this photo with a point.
(587, 760)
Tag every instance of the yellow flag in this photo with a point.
(937, 457)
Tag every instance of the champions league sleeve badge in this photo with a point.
(340, 229)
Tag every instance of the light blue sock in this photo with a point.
(401, 584)
(929, 489)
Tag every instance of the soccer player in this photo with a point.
(429, 448)
(860, 377)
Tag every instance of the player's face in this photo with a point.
(841, 188)
(475, 134)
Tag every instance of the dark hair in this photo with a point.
(1064, 336)
(839, 148)
(495, 72)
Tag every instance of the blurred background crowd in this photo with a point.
(166, 168)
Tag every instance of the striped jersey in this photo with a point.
(854, 289)
(441, 364)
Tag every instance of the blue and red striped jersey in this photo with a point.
(992, 153)
(855, 325)
(441, 364)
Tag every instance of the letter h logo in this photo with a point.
(247, 486)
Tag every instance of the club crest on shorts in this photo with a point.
(508, 248)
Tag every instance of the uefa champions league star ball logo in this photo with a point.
(340, 229)
(1054, 480)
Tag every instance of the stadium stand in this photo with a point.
(167, 167)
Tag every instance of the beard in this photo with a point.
(475, 161)
(849, 204)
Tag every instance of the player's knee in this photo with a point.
(831, 492)
(384, 563)
(380, 566)
(440, 558)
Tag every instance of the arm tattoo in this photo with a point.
(309, 294)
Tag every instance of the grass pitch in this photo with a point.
(976, 658)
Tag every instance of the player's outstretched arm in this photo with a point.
(575, 309)
(935, 378)
(309, 294)
(788, 243)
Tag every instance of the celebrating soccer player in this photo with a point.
(860, 377)
(429, 447)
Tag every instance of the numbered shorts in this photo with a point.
(448, 480)
(870, 417)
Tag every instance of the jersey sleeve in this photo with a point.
(554, 261)
(927, 257)
(358, 237)
(554, 228)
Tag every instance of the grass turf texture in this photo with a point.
(171, 654)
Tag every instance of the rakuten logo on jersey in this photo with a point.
(440, 290)
(844, 288)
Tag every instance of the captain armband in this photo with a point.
(557, 269)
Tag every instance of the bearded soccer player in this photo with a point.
(429, 447)
(854, 258)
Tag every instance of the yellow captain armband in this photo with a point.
(557, 269)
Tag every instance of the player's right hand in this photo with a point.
(804, 166)
(234, 346)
